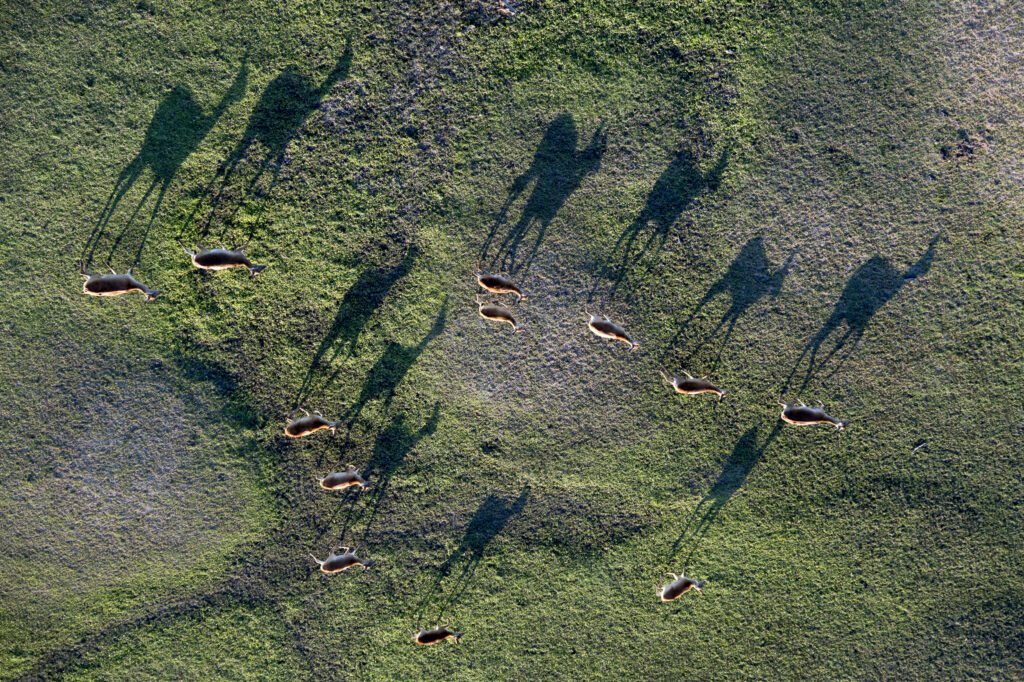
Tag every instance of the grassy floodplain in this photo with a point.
(801, 199)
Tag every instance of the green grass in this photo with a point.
(738, 183)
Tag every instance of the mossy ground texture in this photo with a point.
(816, 200)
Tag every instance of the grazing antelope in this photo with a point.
(606, 329)
(801, 415)
(336, 563)
(339, 480)
(303, 426)
(115, 284)
(497, 313)
(498, 284)
(438, 634)
(679, 586)
(222, 259)
(692, 386)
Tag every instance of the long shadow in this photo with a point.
(284, 106)
(744, 456)
(558, 169)
(358, 304)
(489, 519)
(748, 280)
(383, 378)
(674, 192)
(389, 450)
(177, 128)
(867, 290)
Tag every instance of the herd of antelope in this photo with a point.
(115, 284)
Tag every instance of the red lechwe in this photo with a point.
(603, 326)
(498, 284)
(335, 562)
(311, 423)
(679, 586)
(339, 480)
(497, 313)
(438, 634)
(692, 386)
(801, 415)
(222, 259)
(115, 284)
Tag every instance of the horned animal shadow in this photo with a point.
(744, 456)
(389, 450)
(490, 518)
(276, 120)
(177, 128)
(674, 192)
(748, 279)
(383, 378)
(557, 169)
(867, 290)
(357, 306)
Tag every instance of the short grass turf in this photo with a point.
(815, 200)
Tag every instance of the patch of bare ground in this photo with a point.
(125, 491)
(984, 56)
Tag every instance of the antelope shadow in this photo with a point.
(557, 169)
(867, 290)
(357, 306)
(177, 128)
(674, 192)
(282, 109)
(748, 279)
(389, 451)
(744, 456)
(383, 378)
(490, 518)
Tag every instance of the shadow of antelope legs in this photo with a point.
(283, 108)
(392, 366)
(868, 289)
(177, 128)
(357, 306)
(149, 225)
(557, 170)
(748, 279)
(744, 456)
(674, 192)
(389, 450)
(489, 519)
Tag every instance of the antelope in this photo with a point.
(303, 426)
(438, 634)
(222, 259)
(692, 386)
(679, 586)
(336, 563)
(339, 480)
(801, 415)
(497, 313)
(498, 284)
(115, 284)
(603, 326)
